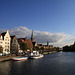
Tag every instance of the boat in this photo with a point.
(35, 55)
(20, 58)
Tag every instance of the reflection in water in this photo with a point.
(61, 63)
(5, 68)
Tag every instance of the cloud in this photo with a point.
(72, 39)
(39, 36)
(51, 37)
(20, 32)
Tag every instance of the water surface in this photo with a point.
(60, 63)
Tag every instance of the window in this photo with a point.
(7, 50)
(1, 42)
(14, 44)
(5, 39)
(5, 42)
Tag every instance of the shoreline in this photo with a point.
(45, 53)
(7, 58)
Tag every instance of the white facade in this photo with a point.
(5, 42)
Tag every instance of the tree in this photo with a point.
(24, 46)
(1, 49)
(42, 48)
(36, 48)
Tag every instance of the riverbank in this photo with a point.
(44, 53)
(6, 58)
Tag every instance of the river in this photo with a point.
(60, 63)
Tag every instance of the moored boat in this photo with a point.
(35, 55)
(20, 58)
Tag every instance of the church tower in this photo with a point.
(32, 39)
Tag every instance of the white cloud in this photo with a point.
(20, 32)
(72, 39)
(39, 36)
(51, 37)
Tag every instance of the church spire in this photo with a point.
(32, 34)
(32, 39)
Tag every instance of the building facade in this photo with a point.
(15, 47)
(28, 41)
(5, 41)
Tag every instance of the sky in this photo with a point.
(50, 20)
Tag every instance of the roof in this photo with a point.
(29, 42)
(39, 44)
(12, 37)
(34, 43)
(3, 34)
(0, 35)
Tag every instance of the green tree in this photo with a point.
(36, 48)
(24, 46)
(1, 49)
(42, 48)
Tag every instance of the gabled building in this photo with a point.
(15, 47)
(25, 40)
(5, 41)
(30, 42)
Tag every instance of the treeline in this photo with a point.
(69, 48)
(42, 48)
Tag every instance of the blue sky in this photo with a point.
(53, 16)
